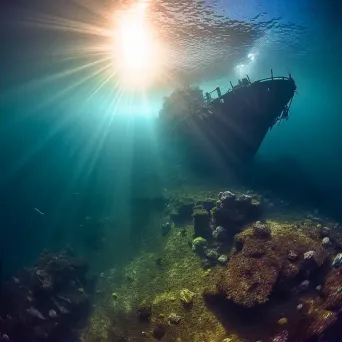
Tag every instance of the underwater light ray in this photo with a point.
(73, 86)
(100, 136)
(45, 81)
(55, 23)
(109, 78)
(73, 71)
(35, 149)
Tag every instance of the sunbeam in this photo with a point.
(136, 53)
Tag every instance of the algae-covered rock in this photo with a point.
(186, 296)
(211, 253)
(198, 245)
(261, 230)
(174, 318)
(181, 209)
(220, 233)
(201, 219)
(208, 204)
(222, 259)
(235, 211)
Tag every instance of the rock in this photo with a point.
(186, 296)
(181, 210)
(52, 313)
(211, 253)
(282, 321)
(205, 264)
(245, 198)
(309, 255)
(201, 219)
(326, 242)
(307, 222)
(261, 230)
(235, 212)
(198, 245)
(220, 233)
(292, 256)
(45, 299)
(337, 262)
(281, 337)
(222, 259)
(227, 197)
(159, 330)
(144, 312)
(326, 231)
(174, 318)
(166, 227)
(304, 285)
(208, 204)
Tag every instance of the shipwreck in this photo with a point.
(229, 127)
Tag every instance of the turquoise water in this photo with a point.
(74, 144)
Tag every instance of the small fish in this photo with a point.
(339, 291)
(16, 280)
(39, 211)
(60, 307)
(35, 313)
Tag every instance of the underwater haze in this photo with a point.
(82, 85)
(68, 125)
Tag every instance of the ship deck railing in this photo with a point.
(208, 99)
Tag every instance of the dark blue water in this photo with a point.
(73, 147)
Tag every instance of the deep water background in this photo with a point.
(71, 159)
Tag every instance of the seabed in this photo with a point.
(278, 283)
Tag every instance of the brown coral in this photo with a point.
(332, 290)
(261, 265)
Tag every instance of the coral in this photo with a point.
(332, 290)
(46, 301)
(260, 266)
(314, 322)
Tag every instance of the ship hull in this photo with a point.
(240, 119)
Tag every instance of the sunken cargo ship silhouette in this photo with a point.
(225, 128)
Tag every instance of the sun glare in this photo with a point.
(136, 54)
